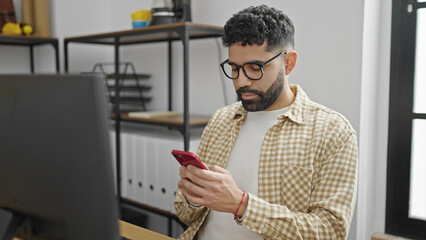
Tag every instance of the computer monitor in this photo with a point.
(55, 157)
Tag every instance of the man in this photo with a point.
(291, 164)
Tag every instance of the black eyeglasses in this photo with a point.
(252, 70)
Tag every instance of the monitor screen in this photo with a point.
(55, 156)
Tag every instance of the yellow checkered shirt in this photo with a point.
(307, 172)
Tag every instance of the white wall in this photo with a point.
(374, 118)
(333, 68)
(326, 33)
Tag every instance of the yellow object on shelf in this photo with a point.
(141, 15)
(11, 28)
(17, 29)
(27, 29)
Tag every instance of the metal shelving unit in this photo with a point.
(184, 32)
(31, 41)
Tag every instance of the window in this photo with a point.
(406, 173)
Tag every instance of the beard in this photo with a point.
(267, 98)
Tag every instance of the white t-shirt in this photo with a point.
(243, 163)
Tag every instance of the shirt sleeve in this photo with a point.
(186, 211)
(331, 203)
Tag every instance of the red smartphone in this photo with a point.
(188, 158)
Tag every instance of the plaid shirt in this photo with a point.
(307, 172)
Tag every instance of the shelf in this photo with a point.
(129, 76)
(177, 121)
(131, 88)
(131, 100)
(31, 41)
(26, 40)
(158, 33)
(147, 207)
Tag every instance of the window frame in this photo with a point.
(401, 116)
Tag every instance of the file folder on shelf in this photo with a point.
(169, 169)
(129, 166)
(140, 154)
(149, 172)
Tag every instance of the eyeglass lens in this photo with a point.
(252, 71)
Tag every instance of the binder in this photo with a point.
(129, 181)
(151, 172)
(143, 168)
(140, 155)
(170, 170)
(123, 163)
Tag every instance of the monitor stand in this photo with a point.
(13, 222)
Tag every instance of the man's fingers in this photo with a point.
(194, 199)
(182, 172)
(206, 175)
(186, 193)
(192, 188)
(196, 175)
(191, 192)
(218, 169)
(184, 188)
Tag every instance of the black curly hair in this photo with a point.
(255, 25)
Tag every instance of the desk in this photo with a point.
(31, 42)
(134, 232)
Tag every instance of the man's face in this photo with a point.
(261, 94)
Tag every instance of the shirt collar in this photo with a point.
(295, 111)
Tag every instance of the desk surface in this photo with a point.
(134, 232)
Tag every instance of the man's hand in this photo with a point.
(214, 189)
